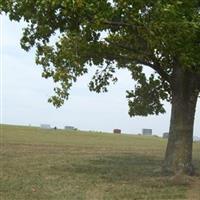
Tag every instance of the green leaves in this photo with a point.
(102, 79)
(73, 35)
(147, 96)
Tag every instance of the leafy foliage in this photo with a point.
(132, 34)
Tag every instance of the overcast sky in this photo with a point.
(25, 95)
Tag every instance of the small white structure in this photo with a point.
(69, 128)
(196, 139)
(165, 135)
(45, 126)
(146, 131)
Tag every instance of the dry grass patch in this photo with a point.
(59, 165)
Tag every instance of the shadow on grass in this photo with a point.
(117, 168)
(124, 176)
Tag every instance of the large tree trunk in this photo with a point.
(178, 157)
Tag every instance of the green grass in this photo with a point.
(60, 165)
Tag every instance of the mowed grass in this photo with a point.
(60, 165)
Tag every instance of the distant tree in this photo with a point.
(129, 34)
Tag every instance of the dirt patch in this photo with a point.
(194, 189)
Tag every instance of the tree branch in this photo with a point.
(126, 47)
(158, 69)
(120, 23)
(155, 66)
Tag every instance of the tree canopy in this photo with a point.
(131, 34)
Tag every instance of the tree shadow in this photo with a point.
(120, 176)
(119, 168)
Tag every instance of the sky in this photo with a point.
(24, 95)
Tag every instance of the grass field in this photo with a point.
(60, 165)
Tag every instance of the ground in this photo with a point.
(39, 164)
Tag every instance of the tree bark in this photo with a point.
(178, 156)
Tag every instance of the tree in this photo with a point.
(133, 34)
